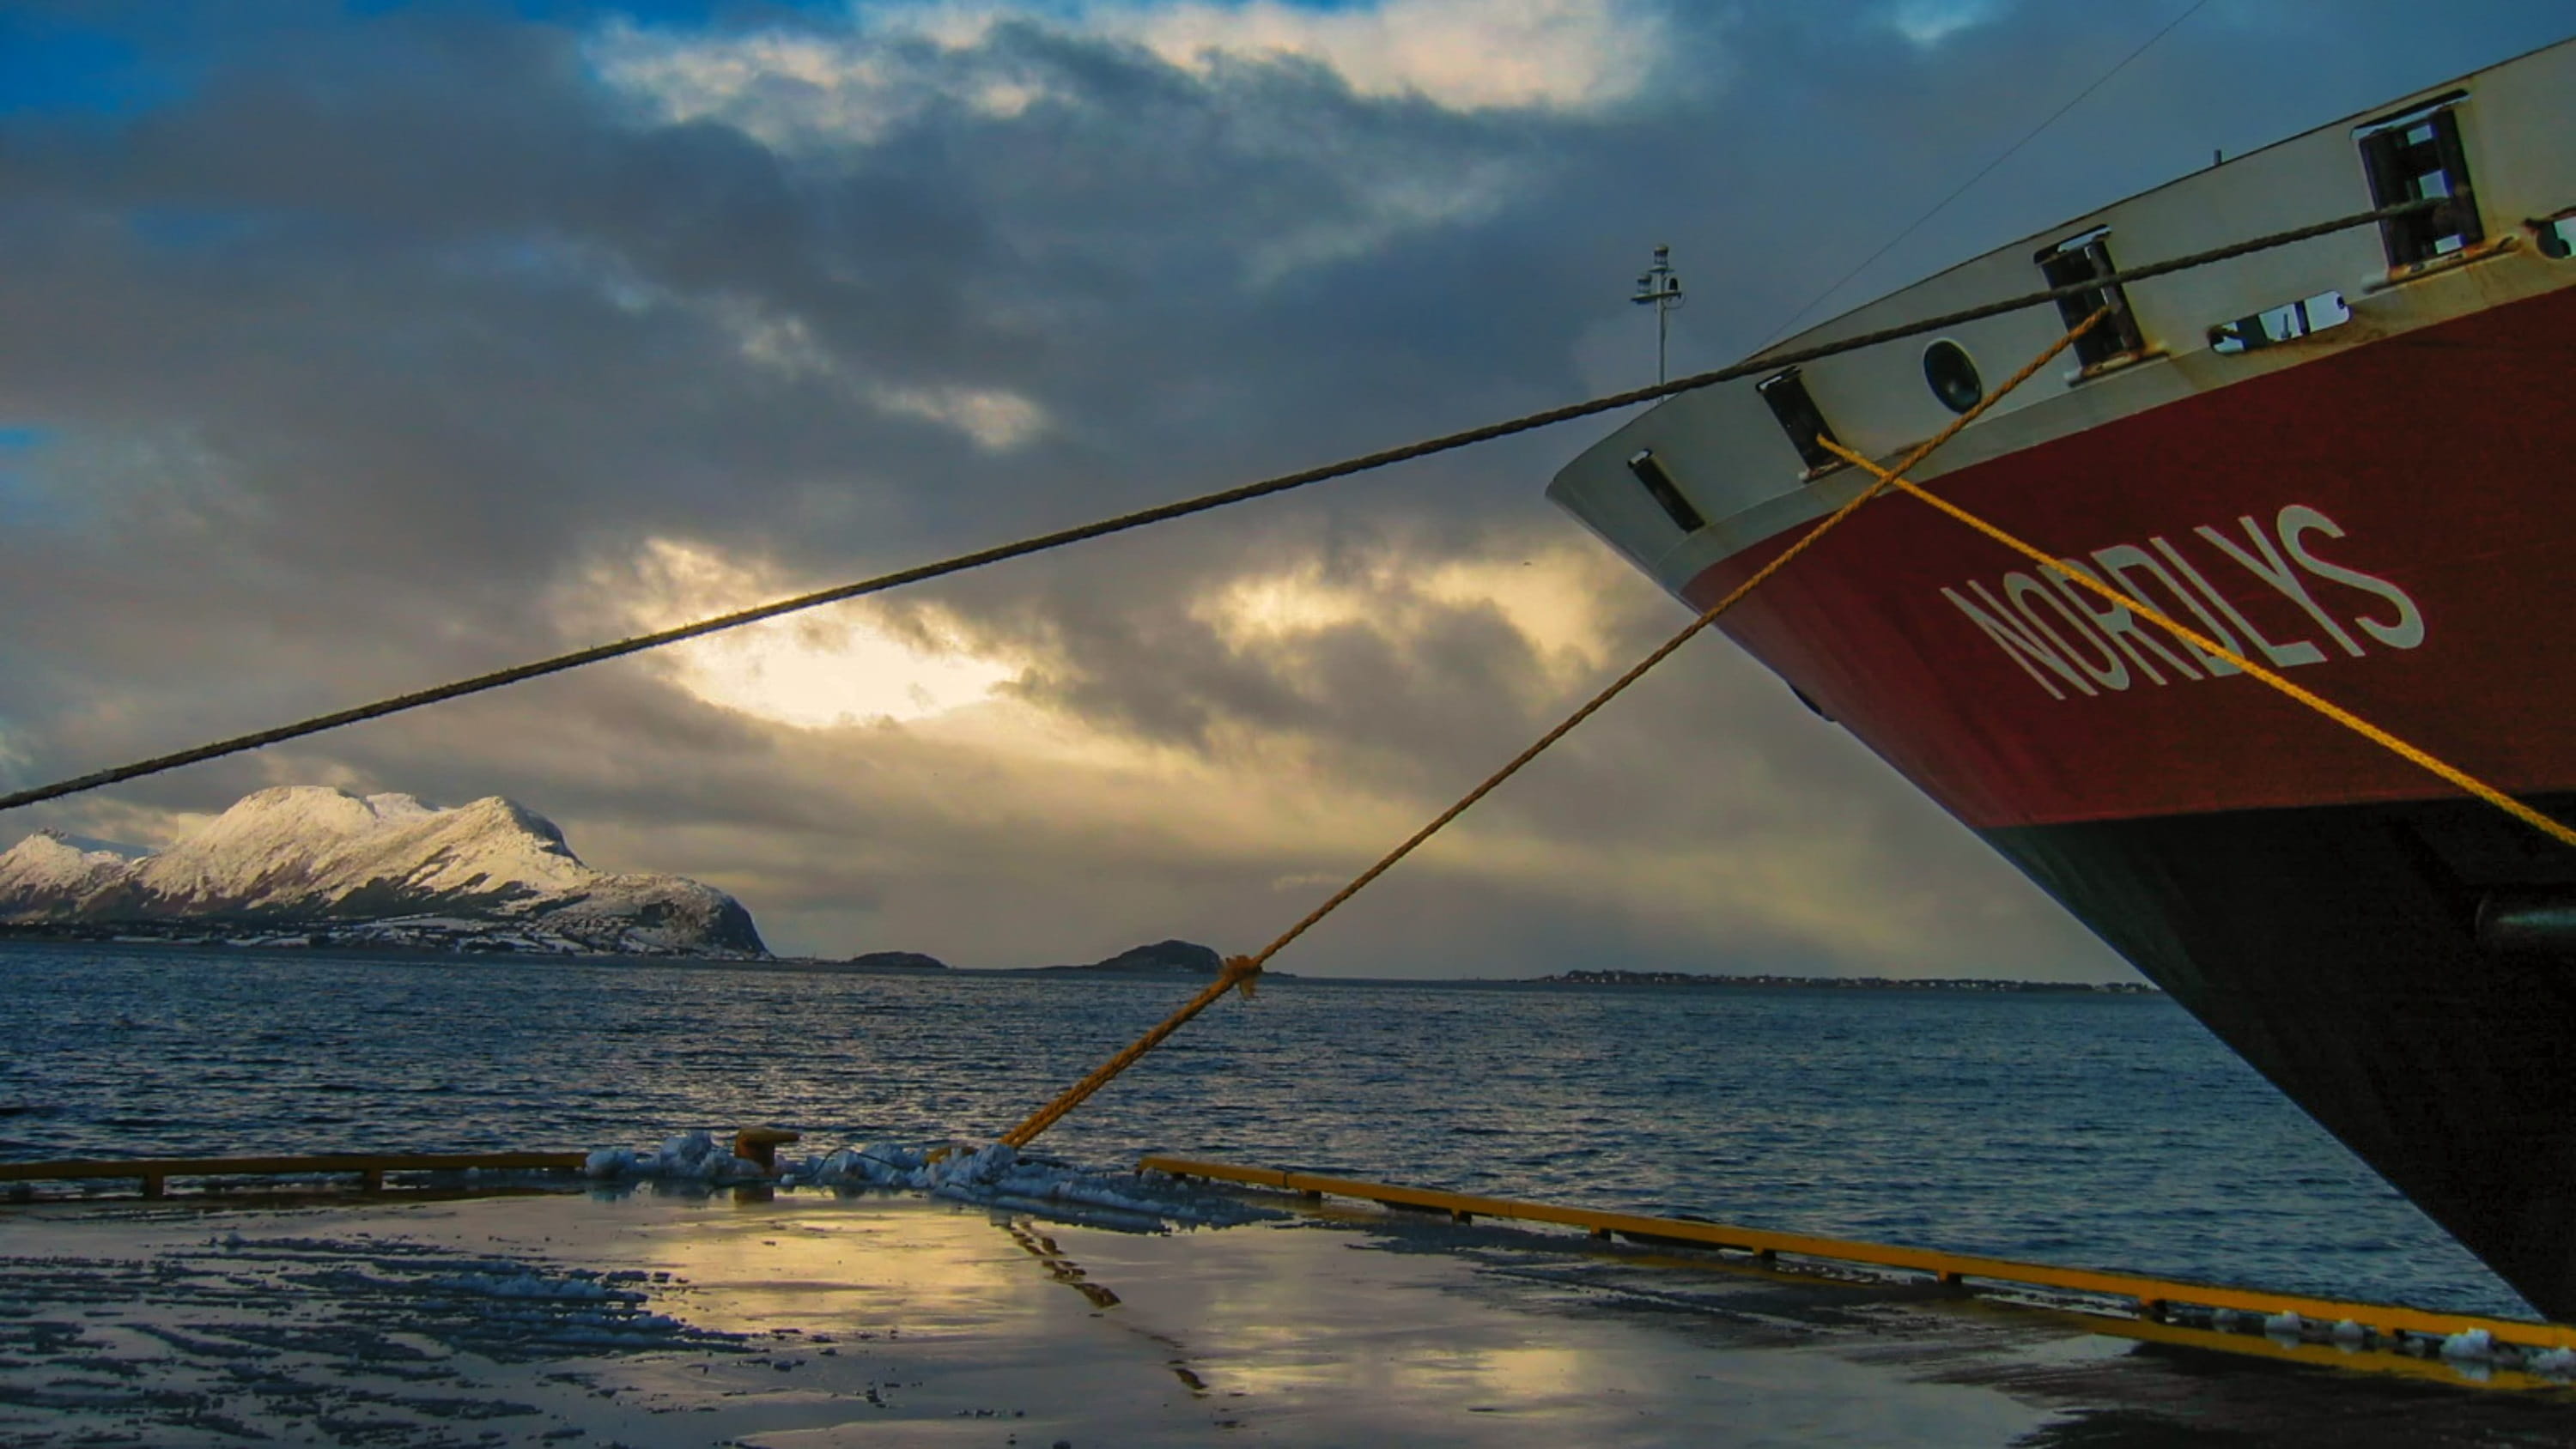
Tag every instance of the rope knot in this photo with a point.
(1243, 973)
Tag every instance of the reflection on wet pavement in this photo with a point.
(1059, 1267)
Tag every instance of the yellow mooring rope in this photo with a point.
(2554, 829)
(1240, 970)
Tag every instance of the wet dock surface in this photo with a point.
(804, 1320)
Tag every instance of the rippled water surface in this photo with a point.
(2069, 1128)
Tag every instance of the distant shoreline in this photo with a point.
(1846, 983)
(20, 937)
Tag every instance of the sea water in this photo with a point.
(2100, 1130)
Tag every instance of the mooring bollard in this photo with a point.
(761, 1144)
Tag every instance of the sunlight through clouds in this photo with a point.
(826, 95)
(1459, 54)
(1552, 599)
(842, 667)
(855, 85)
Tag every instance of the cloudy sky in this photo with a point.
(346, 347)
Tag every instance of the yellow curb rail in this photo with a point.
(155, 1172)
(2154, 1297)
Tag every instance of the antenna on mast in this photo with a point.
(1658, 288)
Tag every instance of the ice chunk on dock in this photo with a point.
(993, 1174)
(2558, 1363)
(2476, 1343)
(686, 1157)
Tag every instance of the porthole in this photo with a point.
(1952, 375)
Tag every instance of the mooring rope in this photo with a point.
(1239, 971)
(1041, 543)
(2413, 754)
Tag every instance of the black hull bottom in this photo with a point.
(2337, 949)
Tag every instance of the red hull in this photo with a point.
(2314, 899)
(2442, 611)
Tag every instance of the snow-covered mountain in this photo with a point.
(313, 862)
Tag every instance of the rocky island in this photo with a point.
(1162, 958)
(316, 866)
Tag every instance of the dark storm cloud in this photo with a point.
(365, 343)
(356, 280)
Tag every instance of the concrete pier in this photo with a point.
(795, 1320)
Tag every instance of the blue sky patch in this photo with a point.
(24, 501)
(682, 14)
(47, 66)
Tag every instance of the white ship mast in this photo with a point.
(1659, 288)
